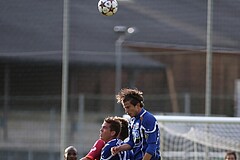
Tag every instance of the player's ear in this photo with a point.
(138, 105)
(113, 133)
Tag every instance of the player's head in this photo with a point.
(230, 155)
(110, 129)
(70, 153)
(133, 95)
(131, 100)
(124, 129)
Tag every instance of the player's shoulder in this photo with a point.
(110, 143)
(99, 143)
(148, 116)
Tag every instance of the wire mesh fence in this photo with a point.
(165, 58)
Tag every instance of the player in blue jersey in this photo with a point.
(109, 132)
(144, 138)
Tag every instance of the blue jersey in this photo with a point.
(107, 155)
(144, 135)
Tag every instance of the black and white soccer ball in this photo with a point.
(108, 7)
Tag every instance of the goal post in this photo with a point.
(198, 137)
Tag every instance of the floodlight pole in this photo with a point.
(65, 56)
(124, 32)
(118, 75)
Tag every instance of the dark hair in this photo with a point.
(133, 95)
(124, 129)
(115, 124)
(231, 153)
(70, 148)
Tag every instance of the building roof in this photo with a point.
(36, 26)
(130, 60)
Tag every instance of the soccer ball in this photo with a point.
(108, 7)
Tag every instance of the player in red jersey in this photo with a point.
(95, 152)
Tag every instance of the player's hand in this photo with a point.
(114, 150)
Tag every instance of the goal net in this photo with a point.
(198, 138)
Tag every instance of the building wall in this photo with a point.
(189, 70)
(189, 75)
(38, 86)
